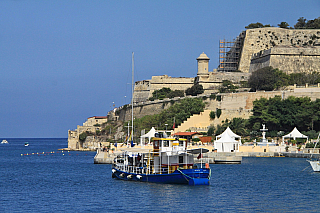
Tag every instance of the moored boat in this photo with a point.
(4, 141)
(315, 164)
(168, 162)
(26, 144)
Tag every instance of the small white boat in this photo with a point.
(315, 164)
(26, 144)
(4, 142)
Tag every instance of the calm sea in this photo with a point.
(70, 182)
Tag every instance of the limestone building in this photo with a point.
(92, 124)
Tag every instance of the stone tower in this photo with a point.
(203, 64)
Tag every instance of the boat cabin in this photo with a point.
(170, 154)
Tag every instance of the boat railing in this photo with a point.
(159, 169)
(202, 161)
(132, 169)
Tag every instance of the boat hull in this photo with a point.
(315, 165)
(183, 176)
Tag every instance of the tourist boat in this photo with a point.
(315, 164)
(26, 144)
(168, 162)
(4, 142)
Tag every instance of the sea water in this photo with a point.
(39, 178)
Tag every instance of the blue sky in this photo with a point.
(64, 61)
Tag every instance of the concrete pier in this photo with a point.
(103, 157)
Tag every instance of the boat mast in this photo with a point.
(132, 88)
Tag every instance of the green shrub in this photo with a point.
(195, 90)
(195, 139)
(83, 136)
(213, 96)
(212, 115)
(218, 113)
(211, 131)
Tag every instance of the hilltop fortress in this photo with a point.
(290, 50)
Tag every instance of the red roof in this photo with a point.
(186, 133)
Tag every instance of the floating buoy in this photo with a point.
(21, 154)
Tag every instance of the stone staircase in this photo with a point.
(199, 123)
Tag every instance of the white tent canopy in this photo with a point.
(149, 135)
(226, 144)
(294, 134)
(230, 133)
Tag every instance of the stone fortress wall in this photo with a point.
(288, 59)
(143, 89)
(232, 105)
(261, 39)
(290, 50)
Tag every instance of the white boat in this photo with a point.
(315, 164)
(4, 142)
(26, 144)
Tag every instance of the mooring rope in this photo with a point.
(184, 175)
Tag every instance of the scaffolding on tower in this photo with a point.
(229, 53)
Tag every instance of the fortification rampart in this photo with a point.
(231, 104)
(260, 39)
(288, 59)
(143, 89)
(213, 80)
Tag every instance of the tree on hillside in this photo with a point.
(303, 78)
(285, 114)
(267, 79)
(256, 25)
(179, 111)
(175, 93)
(166, 92)
(307, 24)
(301, 24)
(284, 25)
(227, 87)
(195, 90)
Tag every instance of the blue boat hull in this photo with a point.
(182, 176)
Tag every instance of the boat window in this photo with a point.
(165, 143)
(180, 143)
(180, 159)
